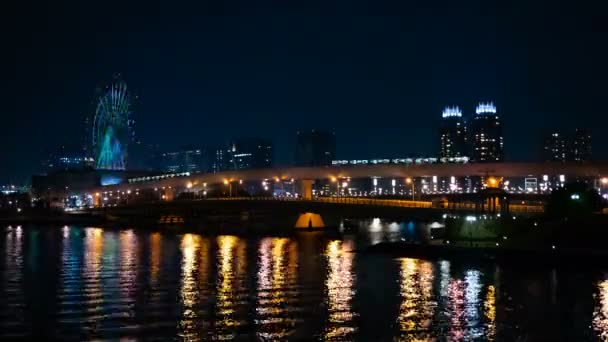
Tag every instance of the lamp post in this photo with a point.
(335, 180)
(408, 180)
(227, 182)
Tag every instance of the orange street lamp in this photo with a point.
(492, 182)
(605, 180)
(408, 180)
(226, 182)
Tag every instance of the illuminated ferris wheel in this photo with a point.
(112, 126)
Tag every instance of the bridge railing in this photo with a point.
(340, 200)
(518, 208)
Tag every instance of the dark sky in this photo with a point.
(378, 72)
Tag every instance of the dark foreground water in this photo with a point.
(91, 283)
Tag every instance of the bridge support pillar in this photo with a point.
(306, 189)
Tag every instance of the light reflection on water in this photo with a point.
(113, 284)
(417, 307)
(339, 289)
(600, 314)
(277, 290)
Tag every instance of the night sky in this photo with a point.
(377, 72)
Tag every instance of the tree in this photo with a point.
(574, 199)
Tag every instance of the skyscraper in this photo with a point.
(315, 148)
(486, 135)
(453, 134)
(580, 146)
(188, 159)
(555, 147)
(219, 159)
(252, 153)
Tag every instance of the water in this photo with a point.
(92, 283)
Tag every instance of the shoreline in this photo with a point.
(542, 254)
(526, 251)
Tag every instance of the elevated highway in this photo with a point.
(593, 170)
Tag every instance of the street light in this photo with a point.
(408, 180)
(335, 180)
(226, 182)
(344, 186)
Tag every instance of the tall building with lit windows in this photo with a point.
(252, 153)
(580, 146)
(188, 159)
(453, 134)
(563, 147)
(555, 147)
(487, 143)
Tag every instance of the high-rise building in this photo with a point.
(219, 159)
(315, 148)
(453, 134)
(251, 153)
(580, 146)
(486, 135)
(555, 147)
(563, 147)
(186, 160)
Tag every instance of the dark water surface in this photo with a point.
(93, 283)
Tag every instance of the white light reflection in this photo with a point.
(600, 312)
(277, 277)
(128, 264)
(472, 291)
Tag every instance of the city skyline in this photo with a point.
(379, 81)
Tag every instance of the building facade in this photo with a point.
(219, 159)
(486, 136)
(564, 147)
(191, 160)
(251, 153)
(315, 148)
(580, 146)
(453, 134)
(555, 148)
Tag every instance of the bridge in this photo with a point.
(287, 212)
(306, 177)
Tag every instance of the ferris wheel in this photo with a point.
(111, 127)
